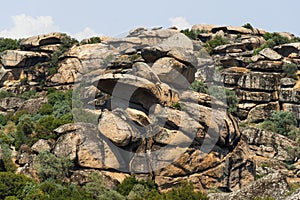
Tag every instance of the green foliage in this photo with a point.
(96, 188)
(9, 165)
(92, 40)
(185, 191)
(5, 94)
(12, 185)
(9, 44)
(128, 184)
(225, 95)
(177, 106)
(67, 43)
(281, 122)
(264, 198)
(81, 115)
(46, 109)
(3, 120)
(193, 34)
(28, 95)
(49, 166)
(248, 26)
(215, 42)
(289, 70)
(199, 86)
(272, 40)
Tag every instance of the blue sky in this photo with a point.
(22, 18)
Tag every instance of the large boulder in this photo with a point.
(174, 73)
(262, 111)
(22, 59)
(134, 89)
(288, 49)
(42, 40)
(82, 143)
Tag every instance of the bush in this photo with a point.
(199, 86)
(128, 184)
(92, 40)
(9, 165)
(67, 43)
(3, 120)
(9, 44)
(193, 34)
(215, 42)
(281, 122)
(96, 188)
(49, 166)
(46, 109)
(289, 70)
(5, 94)
(12, 185)
(272, 40)
(248, 26)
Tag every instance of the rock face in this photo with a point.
(263, 188)
(14, 58)
(147, 121)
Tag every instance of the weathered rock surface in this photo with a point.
(268, 144)
(42, 40)
(273, 185)
(23, 59)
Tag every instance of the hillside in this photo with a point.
(213, 109)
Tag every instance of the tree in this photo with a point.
(49, 166)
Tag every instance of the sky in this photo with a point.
(84, 19)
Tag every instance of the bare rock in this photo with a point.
(86, 147)
(133, 89)
(33, 105)
(262, 188)
(259, 81)
(42, 40)
(15, 58)
(287, 49)
(262, 111)
(270, 54)
(41, 145)
(173, 72)
(117, 128)
(269, 144)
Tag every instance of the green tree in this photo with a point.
(49, 166)
(97, 189)
(12, 185)
(281, 122)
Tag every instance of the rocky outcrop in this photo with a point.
(22, 59)
(263, 188)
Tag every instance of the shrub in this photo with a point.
(49, 166)
(12, 185)
(46, 109)
(193, 34)
(289, 70)
(67, 43)
(199, 86)
(128, 184)
(96, 188)
(9, 44)
(282, 122)
(272, 40)
(5, 94)
(92, 40)
(215, 42)
(248, 26)
(3, 120)
(9, 165)
(185, 191)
